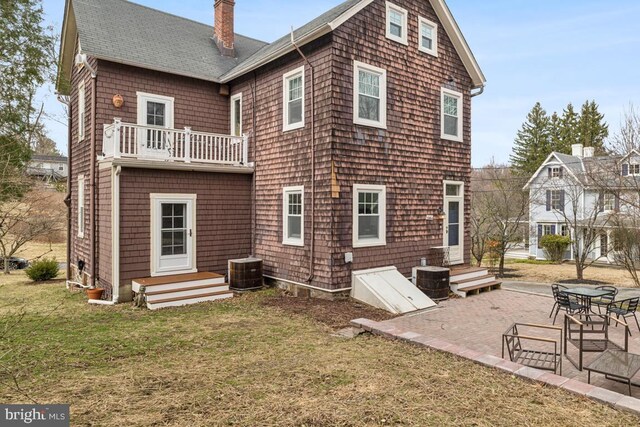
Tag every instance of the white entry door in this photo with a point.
(173, 234)
(454, 221)
(155, 114)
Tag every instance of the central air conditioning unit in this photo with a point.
(245, 274)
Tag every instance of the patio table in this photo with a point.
(616, 365)
(585, 294)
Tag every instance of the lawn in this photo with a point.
(250, 361)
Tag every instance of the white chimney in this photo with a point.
(589, 151)
(576, 150)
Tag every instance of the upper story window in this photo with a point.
(81, 111)
(451, 121)
(293, 115)
(555, 200)
(369, 215)
(428, 36)
(607, 201)
(236, 115)
(555, 172)
(397, 23)
(369, 95)
(630, 169)
(293, 216)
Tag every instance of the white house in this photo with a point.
(48, 167)
(581, 191)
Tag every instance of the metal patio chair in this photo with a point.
(555, 288)
(624, 308)
(570, 304)
(605, 300)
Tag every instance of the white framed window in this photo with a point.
(452, 114)
(369, 95)
(427, 36)
(557, 199)
(555, 172)
(609, 201)
(81, 111)
(634, 169)
(293, 216)
(397, 23)
(80, 206)
(369, 215)
(293, 99)
(236, 115)
(155, 110)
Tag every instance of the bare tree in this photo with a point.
(628, 137)
(499, 212)
(22, 221)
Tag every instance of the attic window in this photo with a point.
(397, 23)
(630, 169)
(555, 172)
(428, 37)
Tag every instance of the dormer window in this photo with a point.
(555, 172)
(397, 23)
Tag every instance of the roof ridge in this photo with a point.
(182, 18)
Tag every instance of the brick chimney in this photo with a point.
(223, 26)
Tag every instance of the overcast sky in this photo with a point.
(550, 51)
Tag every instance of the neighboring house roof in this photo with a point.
(45, 158)
(591, 171)
(128, 33)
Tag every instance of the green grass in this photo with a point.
(242, 362)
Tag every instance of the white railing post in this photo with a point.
(245, 149)
(117, 124)
(187, 145)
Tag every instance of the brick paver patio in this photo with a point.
(478, 322)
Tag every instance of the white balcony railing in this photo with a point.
(127, 140)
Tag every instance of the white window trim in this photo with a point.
(143, 97)
(81, 202)
(555, 172)
(382, 124)
(285, 213)
(172, 198)
(453, 93)
(81, 111)
(234, 98)
(630, 169)
(382, 202)
(423, 21)
(405, 26)
(285, 97)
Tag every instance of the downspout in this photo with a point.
(254, 91)
(82, 59)
(67, 199)
(115, 233)
(313, 159)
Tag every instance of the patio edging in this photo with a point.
(599, 394)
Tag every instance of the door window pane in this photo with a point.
(452, 190)
(454, 224)
(155, 113)
(174, 232)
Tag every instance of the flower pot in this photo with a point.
(95, 293)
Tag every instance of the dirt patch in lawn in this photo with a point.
(335, 313)
(566, 273)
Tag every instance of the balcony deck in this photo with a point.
(154, 147)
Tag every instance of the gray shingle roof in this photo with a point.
(129, 33)
(284, 42)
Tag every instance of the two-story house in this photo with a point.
(579, 195)
(345, 145)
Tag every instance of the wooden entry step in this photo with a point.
(182, 289)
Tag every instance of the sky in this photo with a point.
(552, 51)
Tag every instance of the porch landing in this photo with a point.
(181, 289)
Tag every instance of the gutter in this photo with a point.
(313, 160)
(479, 92)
